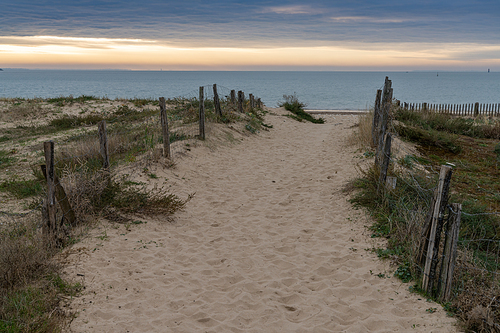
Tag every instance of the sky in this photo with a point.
(458, 35)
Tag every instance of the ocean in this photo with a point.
(319, 90)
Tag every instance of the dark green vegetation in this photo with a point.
(21, 188)
(31, 288)
(472, 146)
(292, 104)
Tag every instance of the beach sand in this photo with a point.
(269, 243)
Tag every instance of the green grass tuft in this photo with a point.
(292, 104)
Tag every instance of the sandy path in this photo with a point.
(268, 244)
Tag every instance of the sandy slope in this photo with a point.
(268, 244)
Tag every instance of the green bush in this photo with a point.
(292, 104)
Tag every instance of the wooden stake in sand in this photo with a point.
(61, 197)
(164, 127)
(218, 110)
(241, 98)
(202, 114)
(376, 117)
(50, 227)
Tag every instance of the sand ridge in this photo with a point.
(269, 243)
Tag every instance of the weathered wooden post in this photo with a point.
(164, 128)
(218, 110)
(384, 117)
(61, 197)
(252, 101)
(376, 117)
(233, 97)
(385, 162)
(49, 228)
(241, 98)
(450, 252)
(103, 140)
(202, 114)
(476, 109)
(436, 224)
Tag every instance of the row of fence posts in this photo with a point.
(55, 191)
(435, 284)
(470, 109)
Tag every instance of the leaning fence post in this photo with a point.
(376, 117)
(450, 252)
(218, 110)
(435, 228)
(103, 140)
(61, 197)
(164, 127)
(241, 97)
(202, 114)
(50, 227)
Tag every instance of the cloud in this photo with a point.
(291, 10)
(355, 19)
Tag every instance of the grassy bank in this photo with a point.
(472, 146)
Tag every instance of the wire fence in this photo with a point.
(461, 269)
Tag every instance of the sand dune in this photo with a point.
(269, 243)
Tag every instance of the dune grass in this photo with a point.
(472, 146)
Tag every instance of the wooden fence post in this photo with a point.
(164, 127)
(384, 117)
(103, 140)
(50, 227)
(435, 228)
(385, 162)
(450, 252)
(61, 197)
(376, 117)
(241, 98)
(202, 114)
(218, 110)
(476, 109)
(252, 102)
(233, 97)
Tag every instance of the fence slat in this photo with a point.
(434, 236)
(450, 252)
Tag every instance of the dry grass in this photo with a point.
(30, 286)
(362, 137)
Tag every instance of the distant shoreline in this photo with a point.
(340, 112)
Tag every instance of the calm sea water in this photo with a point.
(319, 90)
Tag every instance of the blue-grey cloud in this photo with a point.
(259, 23)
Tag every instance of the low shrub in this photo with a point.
(292, 104)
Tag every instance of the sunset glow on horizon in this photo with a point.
(286, 36)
